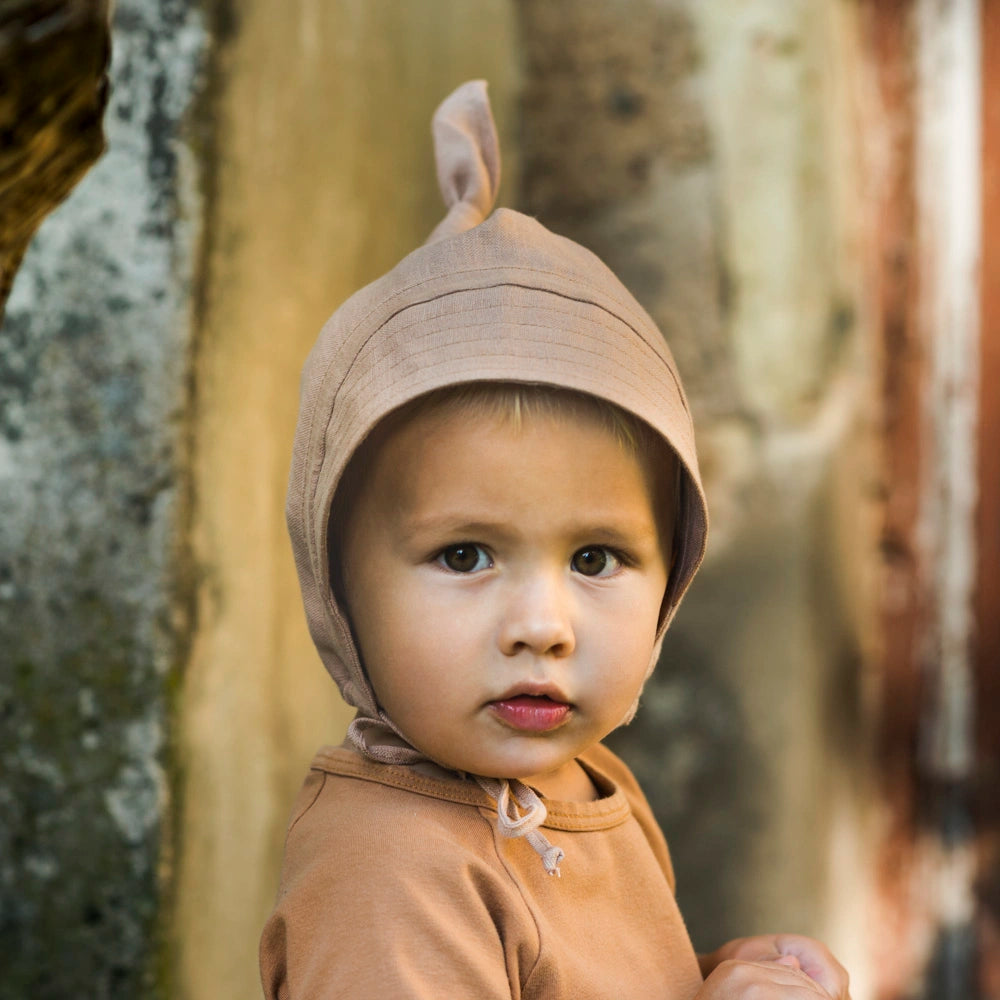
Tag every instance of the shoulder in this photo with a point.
(378, 868)
(348, 818)
(607, 763)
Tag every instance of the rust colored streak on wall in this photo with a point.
(901, 373)
(887, 39)
(988, 526)
(987, 608)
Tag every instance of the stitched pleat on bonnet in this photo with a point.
(487, 298)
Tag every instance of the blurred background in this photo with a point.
(803, 193)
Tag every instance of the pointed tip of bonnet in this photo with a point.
(467, 152)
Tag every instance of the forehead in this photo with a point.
(434, 422)
(539, 466)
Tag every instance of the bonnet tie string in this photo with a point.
(362, 730)
(512, 824)
(368, 736)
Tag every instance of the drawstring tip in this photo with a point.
(551, 860)
(511, 824)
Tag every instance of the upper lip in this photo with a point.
(534, 689)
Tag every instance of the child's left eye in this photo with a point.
(595, 561)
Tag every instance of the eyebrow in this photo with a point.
(450, 524)
(617, 531)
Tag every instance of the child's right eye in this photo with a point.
(466, 557)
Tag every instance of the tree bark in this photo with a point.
(54, 57)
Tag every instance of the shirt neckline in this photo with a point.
(611, 809)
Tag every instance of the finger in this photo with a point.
(740, 977)
(833, 979)
(817, 962)
(790, 960)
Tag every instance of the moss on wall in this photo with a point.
(93, 599)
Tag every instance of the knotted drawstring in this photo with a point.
(510, 822)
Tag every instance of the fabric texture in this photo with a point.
(396, 884)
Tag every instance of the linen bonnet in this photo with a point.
(490, 297)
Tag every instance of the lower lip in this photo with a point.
(532, 715)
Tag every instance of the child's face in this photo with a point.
(504, 585)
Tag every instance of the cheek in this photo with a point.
(412, 649)
(626, 635)
(631, 615)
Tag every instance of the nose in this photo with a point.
(537, 618)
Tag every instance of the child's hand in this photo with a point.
(779, 960)
(733, 980)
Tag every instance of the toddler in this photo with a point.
(495, 509)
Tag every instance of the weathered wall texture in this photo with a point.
(928, 73)
(765, 177)
(987, 643)
(324, 178)
(93, 630)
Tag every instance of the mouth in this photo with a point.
(532, 709)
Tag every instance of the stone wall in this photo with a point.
(95, 587)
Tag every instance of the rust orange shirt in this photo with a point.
(398, 885)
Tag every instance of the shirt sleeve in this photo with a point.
(393, 905)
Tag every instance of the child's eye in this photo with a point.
(466, 557)
(595, 561)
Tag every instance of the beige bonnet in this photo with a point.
(487, 298)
